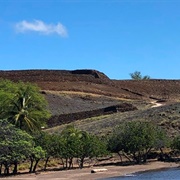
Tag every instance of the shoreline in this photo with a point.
(85, 173)
(139, 172)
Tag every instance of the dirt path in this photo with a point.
(85, 174)
(155, 104)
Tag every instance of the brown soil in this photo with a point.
(96, 82)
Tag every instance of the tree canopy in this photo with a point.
(80, 144)
(15, 145)
(176, 143)
(137, 76)
(23, 105)
(135, 139)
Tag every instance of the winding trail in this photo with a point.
(156, 104)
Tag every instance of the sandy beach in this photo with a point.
(83, 174)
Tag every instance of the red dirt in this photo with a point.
(93, 81)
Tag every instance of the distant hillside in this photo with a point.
(153, 89)
(40, 76)
(92, 81)
(83, 96)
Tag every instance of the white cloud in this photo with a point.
(41, 27)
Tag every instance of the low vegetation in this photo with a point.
(16, 146)
(166, 116)
(133, 140)
(136, 139)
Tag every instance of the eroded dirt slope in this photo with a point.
(92, 81)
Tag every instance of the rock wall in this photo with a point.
(67, 118)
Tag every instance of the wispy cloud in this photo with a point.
(41, 27)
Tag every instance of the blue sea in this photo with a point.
(168, 174)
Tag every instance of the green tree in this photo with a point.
(7, 90)
(135, 139)
(137, 76)
(50, 143)
(115, 143)
(162, 141)
(80, 144)
(25, 106)
(176, 143)
(15, 146)
(36, 155)
(70, 142)
(90, 146)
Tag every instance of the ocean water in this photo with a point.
(168, 174)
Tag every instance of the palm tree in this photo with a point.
(20, 110)
(27, 109)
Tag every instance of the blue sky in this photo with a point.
(116, 37)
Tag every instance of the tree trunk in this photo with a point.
(81, 162)
(62, 162)
(139, 158)
(1, 168)
(145, 158)
(15, 167)
(6, 169)
(127, 157)
(35, 166)
(161, 155)
(70, 163)
(47, 159)
(119, 156)
(136, 158)
(146, 154)
(31, 166)
(66, 163)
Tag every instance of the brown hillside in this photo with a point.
(56, 76)
(92, 81)
(153, 89)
